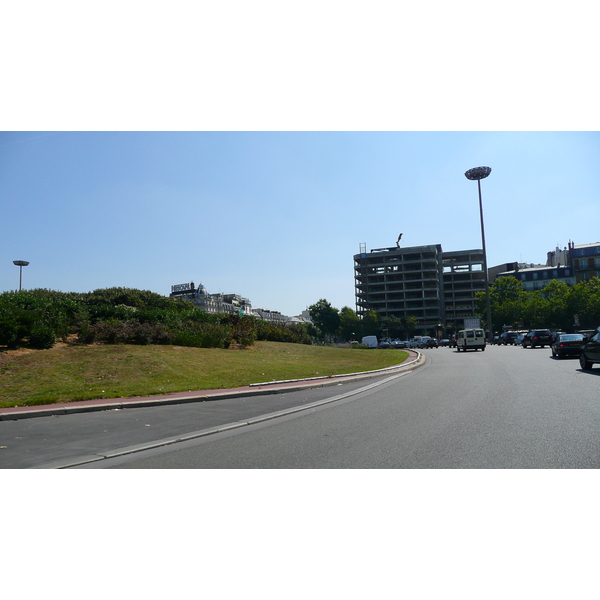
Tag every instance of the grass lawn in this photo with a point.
(70, 372)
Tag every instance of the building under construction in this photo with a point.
(436, 287)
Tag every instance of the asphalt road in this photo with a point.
(507, 407)
(65, 439)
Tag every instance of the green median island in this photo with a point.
(69, 372)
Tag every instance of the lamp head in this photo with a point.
(478, 173)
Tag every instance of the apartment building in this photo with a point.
(570, 265)
(585, 259)
(212, 303)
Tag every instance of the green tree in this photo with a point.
(507, 302)
(556, 294)
(393, 325)
(535, 310)
(410, 325)
(326, 319)
(505, 289)
(370, 323)
(350, 327)
(584, 301)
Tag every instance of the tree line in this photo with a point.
(557, 306)
(40, 317)
(332, 324)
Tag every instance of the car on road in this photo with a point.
(445, 342)
(589, 353)
(567, 344)
(399, 344)
(370, 341)
(519, 339)
(424, 340)
(470, 339)
(537, 337)
(419, 341)
(431, 343)
(415, 342)
(508, 337)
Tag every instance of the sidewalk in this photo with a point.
(415, 359)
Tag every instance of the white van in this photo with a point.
(370, 341)
(468, 339)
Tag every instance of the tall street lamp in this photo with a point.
(477, 174)
(20, 264)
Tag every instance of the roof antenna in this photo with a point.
(398, 240)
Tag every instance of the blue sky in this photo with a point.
(278, 216)
(253, 148)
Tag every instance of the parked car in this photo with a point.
(399, 344)
(415, 342)
(508, 337)
(567, 344)
(537, 337)
(423, 342)
(589, 353)
(588, 333)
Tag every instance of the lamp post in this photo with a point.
(20, 264)
(477, 174)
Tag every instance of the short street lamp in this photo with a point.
(477, 174)
(20, 264)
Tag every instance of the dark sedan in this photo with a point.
(590, 351)
(537, 337)
(567, 344)
(399, 344)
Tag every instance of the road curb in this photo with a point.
(254, 389)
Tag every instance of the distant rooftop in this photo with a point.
(586, 245)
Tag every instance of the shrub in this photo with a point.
(42, 337)
(9, 330)
(280, 332)
(243, 328)
(202, 335)
(149, 333)
(22, 314)
(110, 332)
